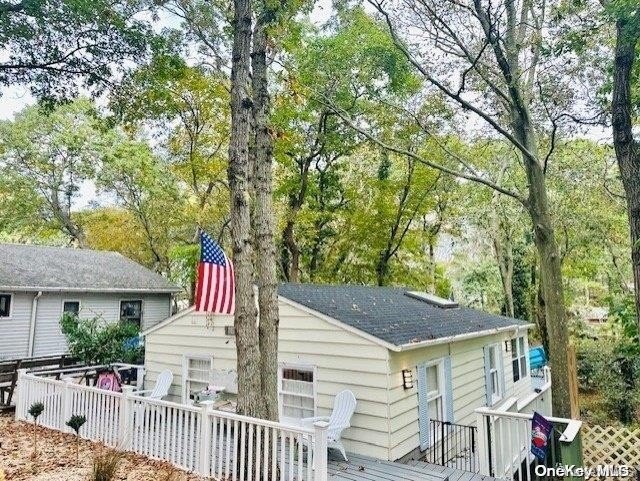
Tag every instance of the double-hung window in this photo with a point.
(297, 391)
(5, 305)
(435, 393)
(197, 373)
(518, 358)
(131, 311)
(494, 374)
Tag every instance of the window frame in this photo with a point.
(64, 301)
(185, 373)
(497, 370)
(442, 389)
(299, 367)
(10, 294)
(141, 301)
(519, 356)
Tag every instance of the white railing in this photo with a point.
(200, 439)
(504, 442)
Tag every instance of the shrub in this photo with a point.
(105, 465)
(96, 341)
(76, 422)
(35, 410)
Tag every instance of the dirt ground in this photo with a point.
(56, 460)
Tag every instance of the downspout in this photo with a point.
(32, 324)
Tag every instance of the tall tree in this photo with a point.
(495, 48)
(623, 106)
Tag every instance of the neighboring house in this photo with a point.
(408, 358)
(39, 283)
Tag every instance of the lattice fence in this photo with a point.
(610, 445)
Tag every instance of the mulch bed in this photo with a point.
(56, 460)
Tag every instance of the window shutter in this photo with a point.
(423, 408)
(503, 392)
(487, 374)
(448, 389)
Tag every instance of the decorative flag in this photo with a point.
(541, 430)
(215, 291)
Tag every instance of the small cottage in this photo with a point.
(38, 284)
(408, 357)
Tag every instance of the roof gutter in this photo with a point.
(462, 337)
(164, 290)
(32, 324)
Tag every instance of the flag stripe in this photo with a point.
(215, 287)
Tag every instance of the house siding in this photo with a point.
(48, 335)
(343, 360)
(468, 383)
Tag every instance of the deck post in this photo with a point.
(126, 411)
(67, 405)
(483, 444)
(320, 451)
(20, 392)
(204, 454)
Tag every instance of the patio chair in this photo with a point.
(344, 405)
(161, 388)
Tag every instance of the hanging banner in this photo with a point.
(541, 430)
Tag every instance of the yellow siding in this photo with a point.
(344, 361)
(468, 383)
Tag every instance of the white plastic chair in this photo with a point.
(161, 388)
(344, 405)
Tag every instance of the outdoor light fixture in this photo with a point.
(507, 345)
(407, 378)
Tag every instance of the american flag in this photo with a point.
(215, 290)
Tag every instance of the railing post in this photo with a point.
(67, 404)
(204, 454)
(140, 373)
(126, 410)
(20, 394)
(483, 445)
(320, 451)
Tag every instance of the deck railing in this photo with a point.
(504, 442)
(200, 439)
(453, 445)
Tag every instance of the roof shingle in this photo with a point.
(34, 267)
(390, 315)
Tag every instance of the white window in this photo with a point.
(494, 372)
(297, 391)
(197, 373)
(5, 305)
(518, 358)
(435, 393)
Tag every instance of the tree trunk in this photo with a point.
(627, 149)
(247, 345)
(264, 228)
(292, 264)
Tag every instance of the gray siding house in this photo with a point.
(39, 283)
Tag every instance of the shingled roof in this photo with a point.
(391, 315)
(45, 268)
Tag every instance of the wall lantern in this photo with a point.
(407, 378)
(507, 345)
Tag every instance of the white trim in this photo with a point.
(519, 356)
(168, 320)
(11, 296)
(185, 371)
(70, 300)
(302, 367)
(497, 347)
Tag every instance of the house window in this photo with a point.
(197, 373)
(518, 358)
(297, 391)
(71, 307)
(5, 305)
(131, 311)
(435, 393)
(494, 372)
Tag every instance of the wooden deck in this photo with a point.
(364, 468)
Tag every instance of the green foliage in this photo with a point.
(58, 47)
(75, 422)
(96, 341)
(35, 410)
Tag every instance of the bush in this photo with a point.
(96, 341)
(105, 465)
